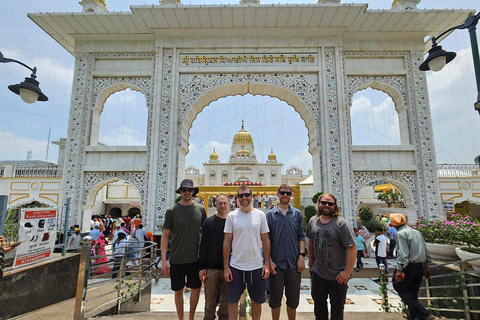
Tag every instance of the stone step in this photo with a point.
(265, 315)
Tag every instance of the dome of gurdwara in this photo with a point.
(243, 151)
(214, 155)
(272, 156)
(242, 136)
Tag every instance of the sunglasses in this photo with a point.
(285, 193)
(244, 195)
(186, 190)
(331, 204)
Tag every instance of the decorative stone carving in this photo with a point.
(405, 180)
(332, 122)
(170, 2)
(93, 6)
(405, 4)
(163, 155)
(328, 1)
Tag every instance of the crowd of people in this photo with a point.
(245, 248)
(126, 235)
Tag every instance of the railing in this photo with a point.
(457, 170)
(453, 291)
(107, 285)
(39, 171)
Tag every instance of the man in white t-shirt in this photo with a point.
(246, 231)
(380, 245)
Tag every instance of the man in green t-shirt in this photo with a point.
(183, 222)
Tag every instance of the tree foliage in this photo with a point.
(316, 196)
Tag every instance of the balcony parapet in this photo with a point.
(457, 170)
(38, 171)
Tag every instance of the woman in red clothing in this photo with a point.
(101, 263)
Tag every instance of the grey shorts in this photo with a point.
(290, 280)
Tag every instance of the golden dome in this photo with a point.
(214, 155)
(272, 156)
(242, 136)
(243, 151)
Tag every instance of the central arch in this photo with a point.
(299, 91)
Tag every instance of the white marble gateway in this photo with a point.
(312, 56)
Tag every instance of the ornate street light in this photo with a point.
(437, 57)
(28, 90)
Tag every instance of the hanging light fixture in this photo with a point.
(438, 58)
(28, 90)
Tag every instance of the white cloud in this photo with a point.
(15, 147)
(302, 160)
(123, 136)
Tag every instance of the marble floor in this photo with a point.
(363, 295)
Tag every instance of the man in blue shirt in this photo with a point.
(391, 233)
(287, 252)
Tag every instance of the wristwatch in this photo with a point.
(302, 254)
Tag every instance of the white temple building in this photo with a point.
(243, 166)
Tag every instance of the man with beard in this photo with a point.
(183, 221)
(211, 261)
(331, 252)
(287, 253)
(246, 230)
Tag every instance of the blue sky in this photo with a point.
(272, 123)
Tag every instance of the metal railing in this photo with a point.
(106, 281)
(453, 291)
(457, 170)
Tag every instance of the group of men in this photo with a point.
(241, 249)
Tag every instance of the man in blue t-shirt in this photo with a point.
(391, 233)
(360, 246)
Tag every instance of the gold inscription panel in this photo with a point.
(297, 59)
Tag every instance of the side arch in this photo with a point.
(105, 87)
(394, 87)
(405, 181)
(96, 180)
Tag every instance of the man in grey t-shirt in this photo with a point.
(331, 257)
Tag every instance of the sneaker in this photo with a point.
(356, 269)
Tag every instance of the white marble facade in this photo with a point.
(312, 56)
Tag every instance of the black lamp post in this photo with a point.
(437, 57)
(28, 90)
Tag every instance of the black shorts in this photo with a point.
(178, 273)
(252, 280)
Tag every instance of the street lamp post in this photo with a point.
(28, 90)
(437, 57)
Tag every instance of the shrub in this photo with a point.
(372, 224)
(457, 230)
(365, 214)
(316, 196)
(310, 211)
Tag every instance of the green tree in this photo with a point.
(365, 214)
(316, 196)
(310, 211)
(177, 199)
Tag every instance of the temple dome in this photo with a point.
(214, 155)
(243, 151)
(242, 136)
(272, 156)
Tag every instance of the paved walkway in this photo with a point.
(363, 301)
